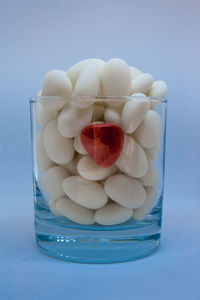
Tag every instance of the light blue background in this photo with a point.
(159, 37)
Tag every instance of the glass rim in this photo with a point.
(100, 99)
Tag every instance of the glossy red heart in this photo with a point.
(103, 142)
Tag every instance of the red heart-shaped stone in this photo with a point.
(103, 142)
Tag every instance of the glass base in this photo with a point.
(66, 240)
(78, 247)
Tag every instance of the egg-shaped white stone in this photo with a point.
(74, 71)
(52, 207)
(44, 161)
(142, 83)
(125, 190)
(112, 115)
(73, 119)
(151, 153)
(78, 146)
(75, 212)
(84, 192)
(151, 177)
(52, 180)
(133, 113)
(138, 95)
(88, 84)
(56, 83)
(88, 169)
(98, 112)
(44, 116)
(149, 131)
(112, 214)
(134, 72)
(132, 160)
(141, 212)
(116, 79)
(158, 89)
(59, 149)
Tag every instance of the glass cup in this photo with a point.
(98, 176)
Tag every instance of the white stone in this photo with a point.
(134, 72)
(44, 116)
(133, 113)
(138, 95)
(74, 71)
(112, 115)
(84, 192)
(132, 160)
(78, 146)
(112, 214)
(88, 84)
(52, 180)
(98, 112)
(151, 153)
(59, 149)
(148, 132)
(151, 177)
(73, 119)
(158, 89)
(56, 83)
(52, 207)
(141, 212)
(116, 79)
(75, 212)
(125, 190)
(88, 169)
(44, 161)
(39, 93)
(142, 83)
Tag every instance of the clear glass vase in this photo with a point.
(98, 176)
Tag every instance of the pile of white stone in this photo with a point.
(77, 187)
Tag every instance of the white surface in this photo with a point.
(83, 191)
